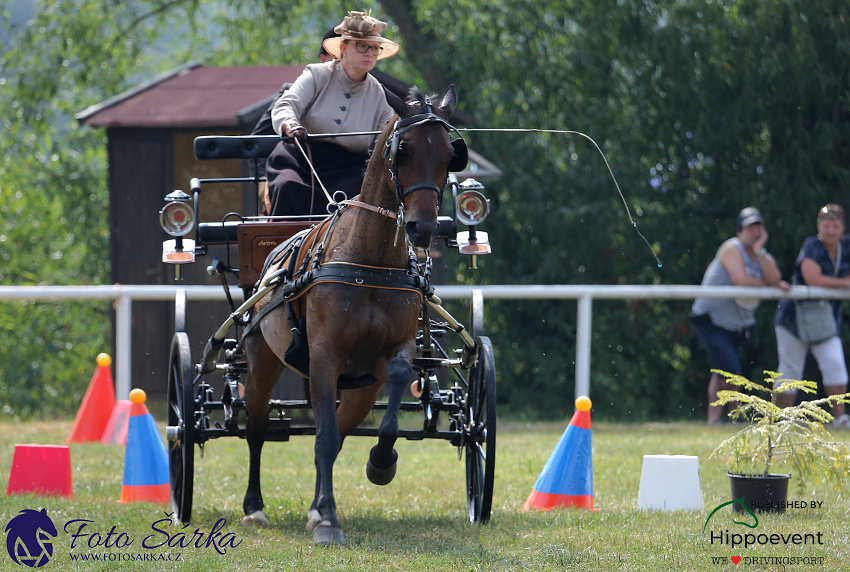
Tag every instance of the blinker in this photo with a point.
(461, 156)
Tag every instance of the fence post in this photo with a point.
(123, 345)
(585, 316)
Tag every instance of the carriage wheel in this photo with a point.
(181, 417)
(180, 311)
(476, 314)
(480, 434)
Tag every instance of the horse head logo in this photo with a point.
(746, 508)
(29, 538)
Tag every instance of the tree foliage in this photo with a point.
(53, 193)
(701, 107)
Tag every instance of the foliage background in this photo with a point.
(702, 107)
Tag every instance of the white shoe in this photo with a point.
(842, 422)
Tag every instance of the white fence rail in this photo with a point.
(584, 294)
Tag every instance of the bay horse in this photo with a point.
(358, 337)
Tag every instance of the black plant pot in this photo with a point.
(760, 493)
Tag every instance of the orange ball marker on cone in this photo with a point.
(567, 477)
(146, 458)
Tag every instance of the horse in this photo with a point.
(359, 337)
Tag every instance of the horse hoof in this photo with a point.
(256, 519)
(313, 519)
(325, 535)
(380, 476)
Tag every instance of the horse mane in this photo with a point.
(417, 97)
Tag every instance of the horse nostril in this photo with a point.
(420, 233)
(412, 229)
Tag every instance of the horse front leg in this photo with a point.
(264, 369)
(381, 467)
(322, 515)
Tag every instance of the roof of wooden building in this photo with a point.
(194, 96)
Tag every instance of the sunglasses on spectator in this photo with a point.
(831, 211)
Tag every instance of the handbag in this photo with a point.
(815, 321)
(815, 318)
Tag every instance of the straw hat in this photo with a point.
(358, 26)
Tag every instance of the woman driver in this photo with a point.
(338, 96)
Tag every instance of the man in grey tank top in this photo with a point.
(724, 325)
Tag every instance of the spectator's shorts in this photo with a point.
(722, 346)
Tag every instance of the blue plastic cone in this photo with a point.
(145, 459)
(567, 477)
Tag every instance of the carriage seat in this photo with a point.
(211, 147)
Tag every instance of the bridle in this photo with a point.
(401, 127)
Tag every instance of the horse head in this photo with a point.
(418, 153)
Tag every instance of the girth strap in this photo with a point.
(357, 275)
(345, 273)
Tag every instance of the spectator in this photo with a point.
(335, 97)
(724, 325)
(824, 261)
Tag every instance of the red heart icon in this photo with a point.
(735, 559)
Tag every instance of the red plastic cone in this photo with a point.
(94, 412)
(567, 477)
(146, 458)
(42, 470)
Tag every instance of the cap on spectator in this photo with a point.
(748, 217)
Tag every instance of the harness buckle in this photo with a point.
(399, 223)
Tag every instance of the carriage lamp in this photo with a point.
(472, 208)
(177, 218)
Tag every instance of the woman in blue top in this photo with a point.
(816, 266)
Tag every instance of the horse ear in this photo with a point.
(449, 101)
(398, 104)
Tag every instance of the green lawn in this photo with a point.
(418, 522)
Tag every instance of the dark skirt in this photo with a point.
(290, 188)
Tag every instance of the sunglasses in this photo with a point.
(363, 48)
(831, 211)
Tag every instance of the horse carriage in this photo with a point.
(347, 302)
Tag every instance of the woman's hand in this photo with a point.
(296, 132)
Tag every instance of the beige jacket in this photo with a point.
(324, 100)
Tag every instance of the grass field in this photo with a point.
(418, 522)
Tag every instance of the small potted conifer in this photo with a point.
(793, 438)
